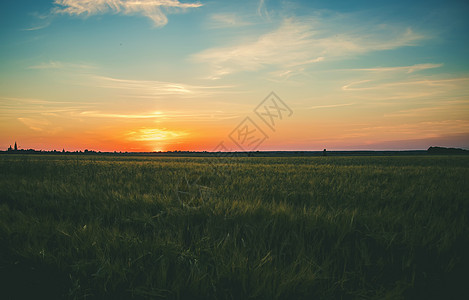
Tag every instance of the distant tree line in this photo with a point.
(431, 151)
(443, 150)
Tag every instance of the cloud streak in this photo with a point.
(299, 42)
(262, 10)
(155, 10)
(330, 106)
(97, 114)
(226, 20)
(426, 83)
(407, 69)
(20, 106)
(37, 124)
(41, 21)
(445, 108)
(154, 88)
(164, 116)
(59, 65)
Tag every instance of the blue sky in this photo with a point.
(143, 75)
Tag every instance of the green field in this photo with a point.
(94, 227)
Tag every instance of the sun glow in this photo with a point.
(155, 134)
(156, 139)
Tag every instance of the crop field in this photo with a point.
(111, 227)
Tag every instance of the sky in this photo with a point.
(165, 75)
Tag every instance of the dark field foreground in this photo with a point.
(99, 227)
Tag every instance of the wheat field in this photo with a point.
(111, 227)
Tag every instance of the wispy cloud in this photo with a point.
(60, 65)
(330, 106)
(304, 41)
(30, 101)
(225, 20)
(456, 108)
(372, 85)
(40, 125)
(401, 91)
(262, 10)
(155, 10)
(406, 69)
(165, 116)
(400, 84)
(38, 27)
(98, 114)
(40, 21)
(154, 88)
(36, 124)
(31, 106)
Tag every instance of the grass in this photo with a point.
(96, 227)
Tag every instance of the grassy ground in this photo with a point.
(260, 228)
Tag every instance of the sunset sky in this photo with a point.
(158, 75)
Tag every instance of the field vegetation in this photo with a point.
(108, 227)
